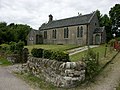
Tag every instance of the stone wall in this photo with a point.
(60, 74)
(14, 58)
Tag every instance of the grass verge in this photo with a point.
(35, 81)
(100, 50)
(4, 62)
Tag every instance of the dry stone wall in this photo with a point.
(61, 74)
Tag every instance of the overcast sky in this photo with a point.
(35, 12)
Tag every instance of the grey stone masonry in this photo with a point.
(60, 74)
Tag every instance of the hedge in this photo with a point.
(37, 52)
(53, 55)
(60, 56)
(47, 54)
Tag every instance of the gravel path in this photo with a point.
(108, 79)
(8, 81)
(80, 49)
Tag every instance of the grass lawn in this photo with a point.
(78, 56)
(4, 61)
(52, 47)
(100, 50)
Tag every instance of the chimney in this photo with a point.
(50, 18)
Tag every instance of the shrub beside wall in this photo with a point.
(91, 60)
(48, 54)
(37, 52)
(60, 56)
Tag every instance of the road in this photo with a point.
(8, 81)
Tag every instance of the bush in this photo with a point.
(111, 42)
(54, 55)
(47, 54)
(5, 47)
(60, 56)
(91, 60)
(37, 52)
(118, 38)
(20, 46)
(12, 46)
(0, 47)
(19, 50)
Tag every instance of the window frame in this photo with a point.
(54, 34)
(45, 34)
(79, 31)
(66, 32)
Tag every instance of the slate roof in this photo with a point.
(99, 30)
(77, 20)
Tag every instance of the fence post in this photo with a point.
(105, 50)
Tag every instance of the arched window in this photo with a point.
(54, 34)
(45, 34)
(81, 31)
(66, 32)
(78, 32)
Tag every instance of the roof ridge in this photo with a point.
(92, 16)
(71, 21)
(71, 17)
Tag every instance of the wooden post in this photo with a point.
(105, 50)
(97, 58)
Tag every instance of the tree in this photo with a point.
(105, 21)
(99, 15)
(115, 15)
(13, 32)
(115, 18)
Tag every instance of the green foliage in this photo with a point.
(12, 46)
(13, 32)
(111, 42)
(105, 21)
(54, 55)
(16, 48)
(47, 54)
(115, 18)
(118, 38)
(20, 45)
(60, 56)
(115, 14)
(91, 60)
(4, 47)
(99, 15)
(4, 61)
(37, 52)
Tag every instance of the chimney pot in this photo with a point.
(50, 18)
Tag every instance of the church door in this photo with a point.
(39, 39)
(97, 39)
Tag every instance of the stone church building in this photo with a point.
(80, 30)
